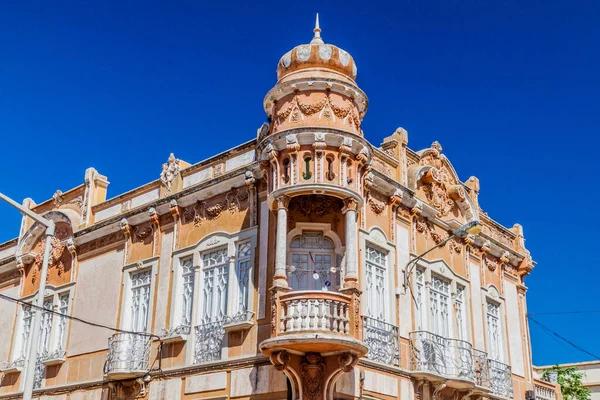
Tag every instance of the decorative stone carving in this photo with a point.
(347, 361)
(280, 359)
(312, 371)
(263, 131)
(58, 199)
(327, 109)
(170, 171)
(54, 261)
(376, 206)
(455, 246)
(490, 263)
(350, 204)
(103, 241)
(218, 170)
(315, 205)
(237, 199)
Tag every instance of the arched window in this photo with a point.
(311, 263)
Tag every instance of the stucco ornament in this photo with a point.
(325, 51)
(170, 171)
(344, 57)
(312, 371)
(57, 197)
(303, 52)
(286, 60)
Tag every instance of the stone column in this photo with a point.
(280, 277)
(351, 275)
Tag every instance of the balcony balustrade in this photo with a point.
(500, 379)
(382, 340)
(315, 321)
(209, 341)
(545, 390)
(436, 356)
(128, 355)
(482, 368)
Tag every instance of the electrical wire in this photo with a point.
(548, 330)
(566, 312)
(95, 324)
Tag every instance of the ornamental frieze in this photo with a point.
(315, 206)
(237, 199)
(326, 109)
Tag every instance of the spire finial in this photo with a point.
(317, 31)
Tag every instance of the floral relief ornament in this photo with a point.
(170, 171)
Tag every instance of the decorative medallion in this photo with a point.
(376, 206)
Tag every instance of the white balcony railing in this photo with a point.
(382, 341)
(450, 358)
(128, 354)
(314, 312)
(544, 393)
(500, 379)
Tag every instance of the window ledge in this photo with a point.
(55, 358)
(238, 326)
(175, 338)
(13, 366)
(178, 334)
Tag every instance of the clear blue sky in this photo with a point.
(510, 90)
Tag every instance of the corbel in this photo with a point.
(437, 388)
(155, 221)
(394, 202)
(21, 266)
(504, 258)
(467, 395)
(251, 184)
(174, 210)
(126, 229)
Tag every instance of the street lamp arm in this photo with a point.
(47, 223)
(413, 262)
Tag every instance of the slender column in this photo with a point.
(280, 278)
(351, 276)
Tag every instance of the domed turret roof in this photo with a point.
(317, 54)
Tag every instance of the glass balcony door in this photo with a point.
(311, 264)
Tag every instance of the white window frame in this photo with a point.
(52, 355)
(441, 269)
(209, 243)
(324, 228)
(150, 264)
(377, 239)
(492, 295)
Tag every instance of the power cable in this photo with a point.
(95, 324)
(562, 338)
(566, 312)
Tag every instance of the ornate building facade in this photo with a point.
(276, 270)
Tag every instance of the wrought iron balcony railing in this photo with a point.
(500, 379)
(382, 341)
(448, 358)
(482, 368)
(209, 341)
(128, 355)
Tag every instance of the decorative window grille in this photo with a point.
(421, 316)
(439, 299)
(461, 323)
(244, 252)
(493, 328)
(26, 325)
(140, 300)
(187, 278)
(216, 274)
(312, 257)
(61, 334)
(376, 263)
(46, 327)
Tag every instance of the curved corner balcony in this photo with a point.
(315, 321)
(128, 356)
(437, 358)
